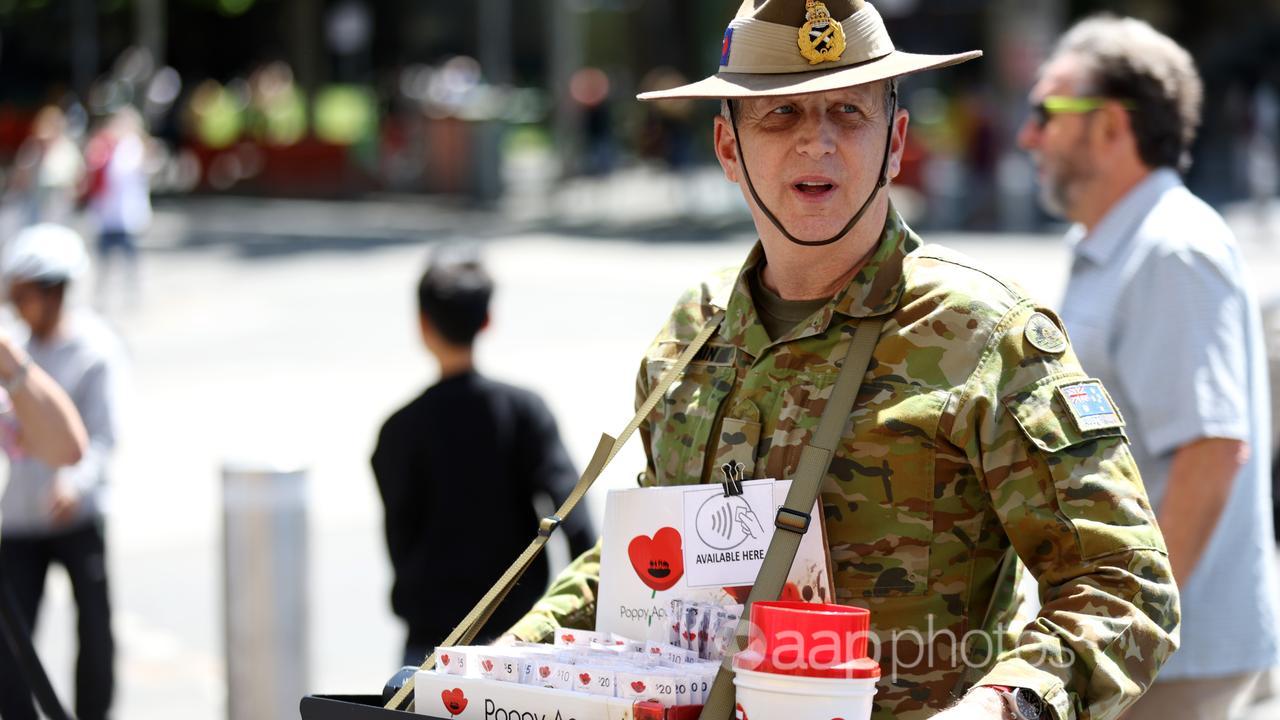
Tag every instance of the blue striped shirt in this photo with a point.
(1158, 308)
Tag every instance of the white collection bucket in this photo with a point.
(772, 696)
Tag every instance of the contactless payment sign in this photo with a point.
(729, 540)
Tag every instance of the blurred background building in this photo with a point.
(341, 98)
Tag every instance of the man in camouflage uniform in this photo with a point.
(975, 439)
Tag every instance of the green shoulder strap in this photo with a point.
(793, 516)
(608, 447)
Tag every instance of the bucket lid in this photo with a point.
(809, 640)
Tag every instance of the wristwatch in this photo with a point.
(1022, 704)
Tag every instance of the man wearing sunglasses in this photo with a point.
(1158, 308)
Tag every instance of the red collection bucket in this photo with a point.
(806, 660)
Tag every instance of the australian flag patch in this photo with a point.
(1090, 406)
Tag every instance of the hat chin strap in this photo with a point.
(884, 180)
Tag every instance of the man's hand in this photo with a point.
(981, 703)
(66, 502)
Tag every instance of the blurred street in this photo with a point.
(280, 331)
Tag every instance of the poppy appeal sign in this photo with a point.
(694, 543)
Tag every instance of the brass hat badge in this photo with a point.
(821, 37)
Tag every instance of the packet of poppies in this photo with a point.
(589, 663)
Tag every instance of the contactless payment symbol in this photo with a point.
(724, 523)
(821, 37)
(1043, 334)
(1090, 406)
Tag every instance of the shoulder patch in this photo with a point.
(1044, 335)
(1090, 406)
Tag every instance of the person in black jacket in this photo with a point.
(458, 469)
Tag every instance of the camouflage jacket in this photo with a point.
(962, 450)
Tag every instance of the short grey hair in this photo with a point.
(890, 103)
(1127, 59)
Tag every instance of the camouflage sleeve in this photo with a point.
(687, 319)
(1068, 496)
(569, 602)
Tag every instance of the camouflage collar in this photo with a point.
(875, 290)
(878, 286)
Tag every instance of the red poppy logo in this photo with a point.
(567, 639)
(690, 635)
(655, 651)
(739, 713)
(544, 671)
(454, 701)
(637, 686)
(658, 560)
(487, 665)
(445, 659)
(585, 679)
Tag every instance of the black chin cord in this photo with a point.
(884, 179)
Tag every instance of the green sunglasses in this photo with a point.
(1066, 104)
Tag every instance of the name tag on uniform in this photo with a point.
(1090, 406)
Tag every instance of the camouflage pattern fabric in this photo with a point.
(961, 459)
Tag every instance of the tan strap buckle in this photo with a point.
(548, 525)
(793, 520)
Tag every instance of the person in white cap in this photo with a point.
(55, 514)
(976, 439)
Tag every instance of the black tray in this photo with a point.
(352, 707)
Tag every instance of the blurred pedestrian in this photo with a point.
(48, 169)
(36, 419)
(118, 193)
(459, 469)
(55, 515)
(1158, 308)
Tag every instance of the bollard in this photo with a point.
(264, 513)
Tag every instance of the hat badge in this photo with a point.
(821, 37)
